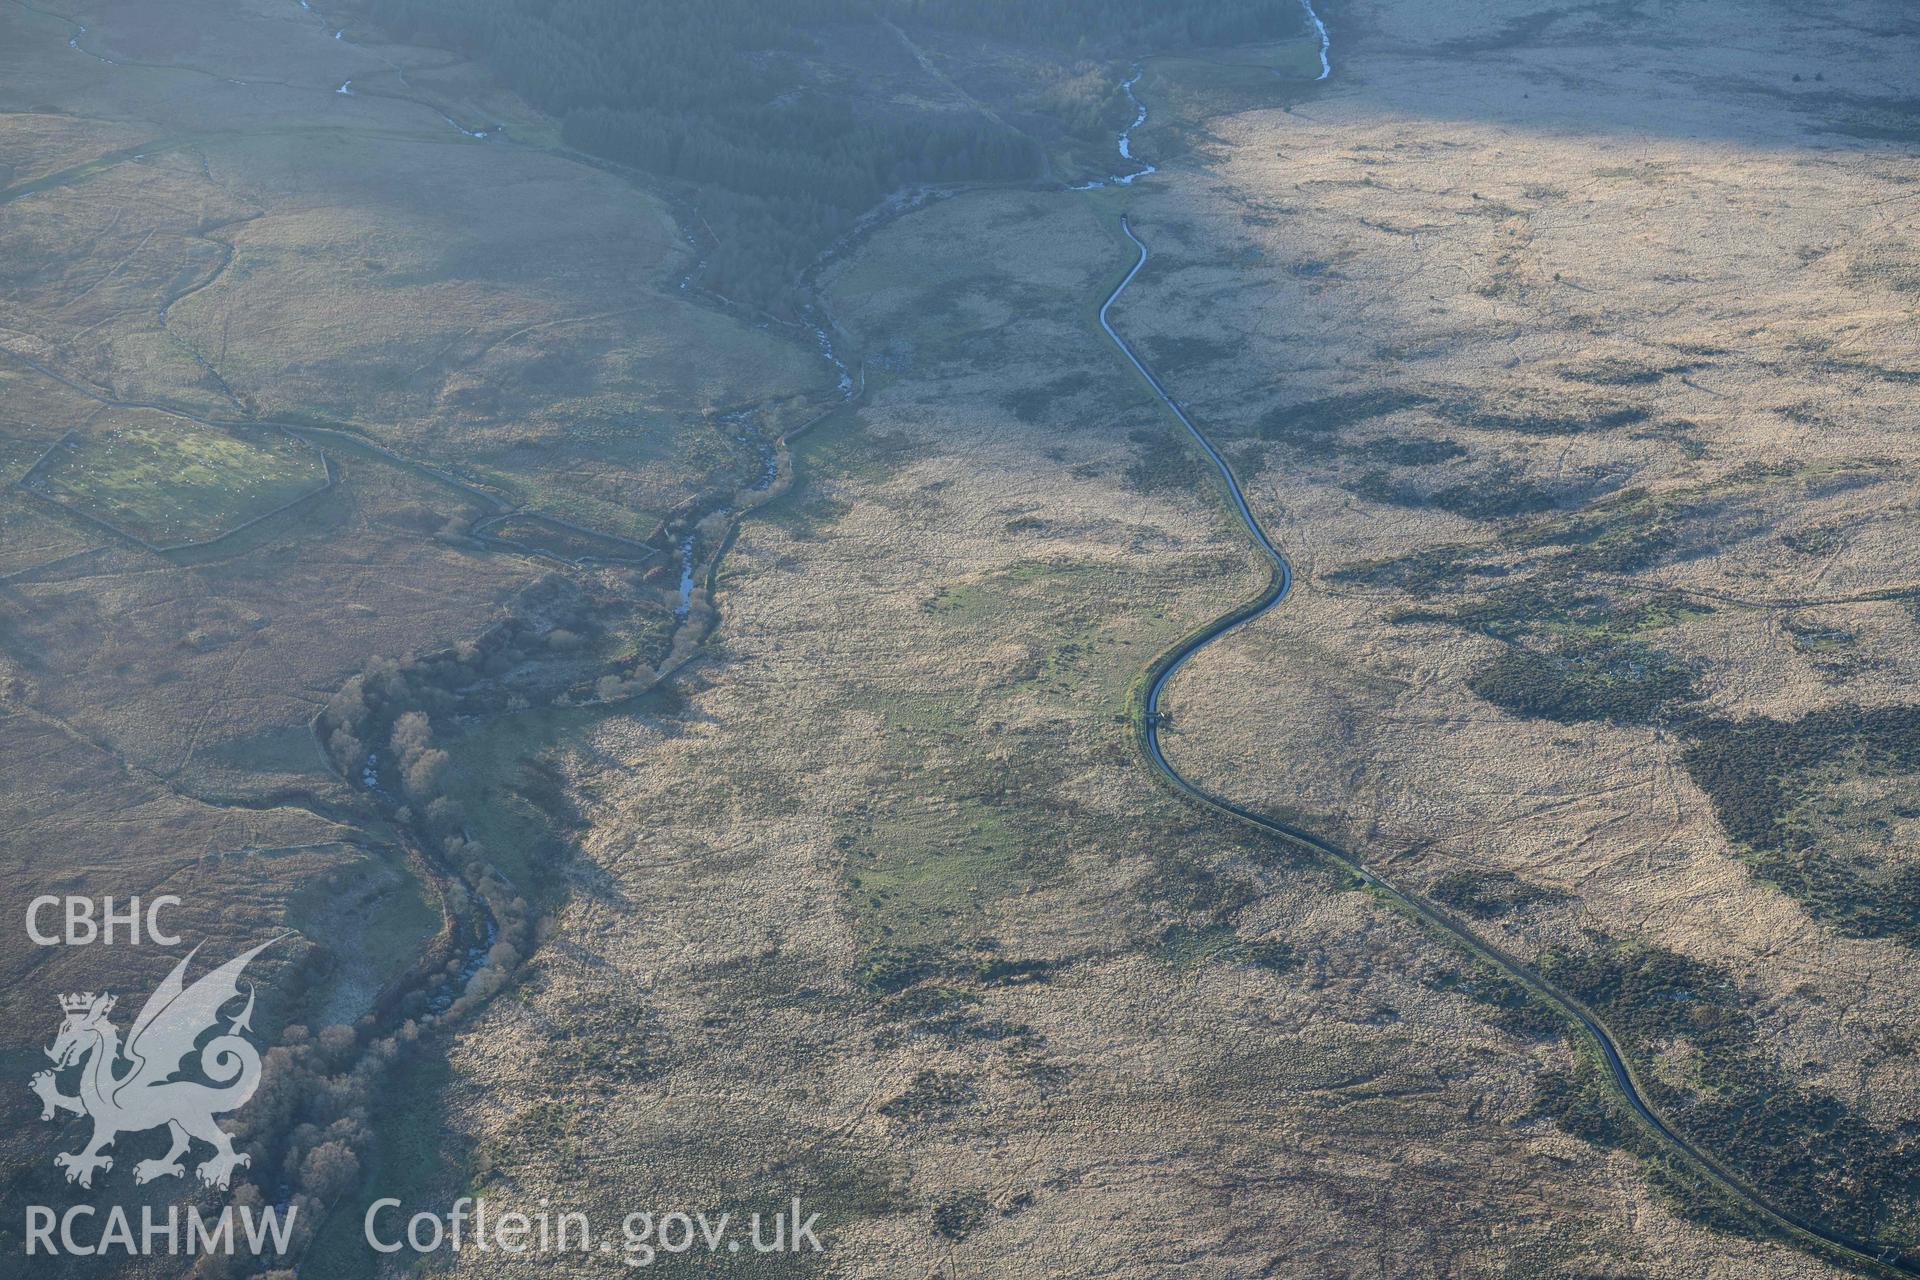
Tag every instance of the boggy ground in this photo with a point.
(884, 911)
(1566, 352)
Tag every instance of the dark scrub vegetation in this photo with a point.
(1775, 787)
(1579, 650)
(1497, 492)
(1427, 572)
(1486, 895)
(1574, 653)
(1542, 422)
(1719, 1084)
(1307, 424)
(1164, 463)
(1587, 678)
(1512, 1007)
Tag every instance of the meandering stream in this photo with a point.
(1126, 141)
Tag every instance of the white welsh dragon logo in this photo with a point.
(141, 1094)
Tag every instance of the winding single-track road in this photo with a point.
(1148, 720)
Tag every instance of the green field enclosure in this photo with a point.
(172, 487)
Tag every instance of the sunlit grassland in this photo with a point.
(168, 486)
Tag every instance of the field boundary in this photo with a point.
(34, 482)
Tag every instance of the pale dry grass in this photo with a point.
(1346, 1117)
(1488, 223)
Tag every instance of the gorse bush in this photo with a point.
(1796, 1143)
(1621, 681)
(1768, 779)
